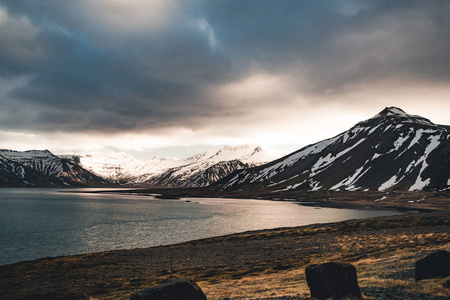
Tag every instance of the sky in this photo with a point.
(177, 77)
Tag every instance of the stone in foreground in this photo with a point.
(180, 289)
(335, 280)
(435, 265)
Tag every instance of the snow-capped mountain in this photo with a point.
(390, 151)
(208, 167)
(245, 153)
(124, 168)
(42, 168)
(198, 170)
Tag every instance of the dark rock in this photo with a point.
(180, 289)
(434, 265)
(333, 280)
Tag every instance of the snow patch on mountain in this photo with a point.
(390, 183)
(324, 162)
(349, 181)
(420, 183)
(290, 160)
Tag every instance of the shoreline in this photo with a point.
(402, 201)
(396, 208)
(249, 264)
(424, 201)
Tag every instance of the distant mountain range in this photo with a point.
(206, 168)
(390, 151)
(196, 171)
(42, 168)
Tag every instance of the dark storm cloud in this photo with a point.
(341, 42)
(80, 71)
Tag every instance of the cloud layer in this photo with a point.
(219, 68)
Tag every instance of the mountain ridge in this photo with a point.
(392, 150)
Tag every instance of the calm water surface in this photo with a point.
(36, 223)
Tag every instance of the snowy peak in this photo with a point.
(228, 153)
(256, 154)
(201, 156)
(396, 115)
(24, 155)
(159, 164)
(122, 167)
(393, 111)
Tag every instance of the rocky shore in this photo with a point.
(266, 264)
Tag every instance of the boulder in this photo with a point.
(335, 280)
(180, 289)
(434, 265)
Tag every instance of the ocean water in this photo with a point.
(37, 223)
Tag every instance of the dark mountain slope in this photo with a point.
(14, 174)
(391, 151)
(43, 169)
(197, 176)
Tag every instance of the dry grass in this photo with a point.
(288, 283)
(391, 271)
(432, 287)
(397, 271)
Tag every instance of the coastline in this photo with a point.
(395, 208)
(251, 265)
(401, 201)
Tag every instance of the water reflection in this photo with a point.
(37, 223)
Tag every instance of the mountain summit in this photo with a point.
(396, 115)
(390, 151)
